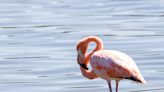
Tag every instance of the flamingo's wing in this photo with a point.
(114, 64)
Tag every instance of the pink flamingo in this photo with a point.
(106, 64)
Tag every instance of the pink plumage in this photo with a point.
(106, 64)
(111, 64)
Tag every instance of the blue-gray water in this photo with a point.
(38, 42)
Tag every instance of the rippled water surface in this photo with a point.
(38, 40)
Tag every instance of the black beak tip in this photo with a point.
(84, 66)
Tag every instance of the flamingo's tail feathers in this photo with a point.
(136, 79)
(139, 80)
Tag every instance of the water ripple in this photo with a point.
(38, 40)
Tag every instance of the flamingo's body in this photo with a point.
(106, 64)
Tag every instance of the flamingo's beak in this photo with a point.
(80, 59)
(84, 66)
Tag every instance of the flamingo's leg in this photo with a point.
(110, 87)
(117, 82)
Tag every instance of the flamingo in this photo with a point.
(106, 64)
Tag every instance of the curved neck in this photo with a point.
(99, 43)
(99, 46)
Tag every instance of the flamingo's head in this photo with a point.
(81, 50)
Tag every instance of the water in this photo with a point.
(38, 42)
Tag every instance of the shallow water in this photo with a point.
(38, 40)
